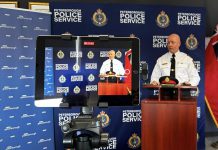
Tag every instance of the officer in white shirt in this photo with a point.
(111, 66)
(185, 71)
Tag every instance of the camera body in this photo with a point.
(84, 132)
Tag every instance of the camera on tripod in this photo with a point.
(84, 132)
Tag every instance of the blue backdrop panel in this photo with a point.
(22, 125)
(152, 24)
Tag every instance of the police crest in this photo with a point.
(134, 141)
(60, 54)
(99, 18)
(76, 90)
(90, 55)
(91, 77)
(191, 42)
(105, 120)
(163, 20)
(167, 79)
(76, 67)
(62, 79)
(118, 54)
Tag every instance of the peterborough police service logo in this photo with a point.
(99, 18)
(62, 79)
(118, 54)
(134, 141)
(76, 67)
(60, 54)
(105, 120)
(90, 55)
(167, 79)
(76, 90)
(163, 20)
(91, 77)
(191, 42)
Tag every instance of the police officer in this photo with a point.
(184, 71)
(111, 66)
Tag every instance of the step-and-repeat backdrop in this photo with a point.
(22, 125)
(152, 24)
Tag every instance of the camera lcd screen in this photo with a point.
(79, 71)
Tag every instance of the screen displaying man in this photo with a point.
(111, 66)
(111, 77)
(175, 64)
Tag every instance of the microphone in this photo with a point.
(144, 70)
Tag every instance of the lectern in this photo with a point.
(115, 88)
(169, 120)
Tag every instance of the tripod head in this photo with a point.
(84, 132)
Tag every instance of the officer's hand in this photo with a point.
(154, 83)
(102, 75)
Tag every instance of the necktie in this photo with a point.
(111, 67)
(172, 69)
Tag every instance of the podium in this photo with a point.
(116, 93)
(169, 122)
(113, 88)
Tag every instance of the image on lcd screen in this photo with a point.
(88, 71)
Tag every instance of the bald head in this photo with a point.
(111, 54)
(173, 43)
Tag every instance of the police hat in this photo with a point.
(110, 73)
(168, 80)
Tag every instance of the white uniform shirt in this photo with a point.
(117, 67)
(185, 70)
